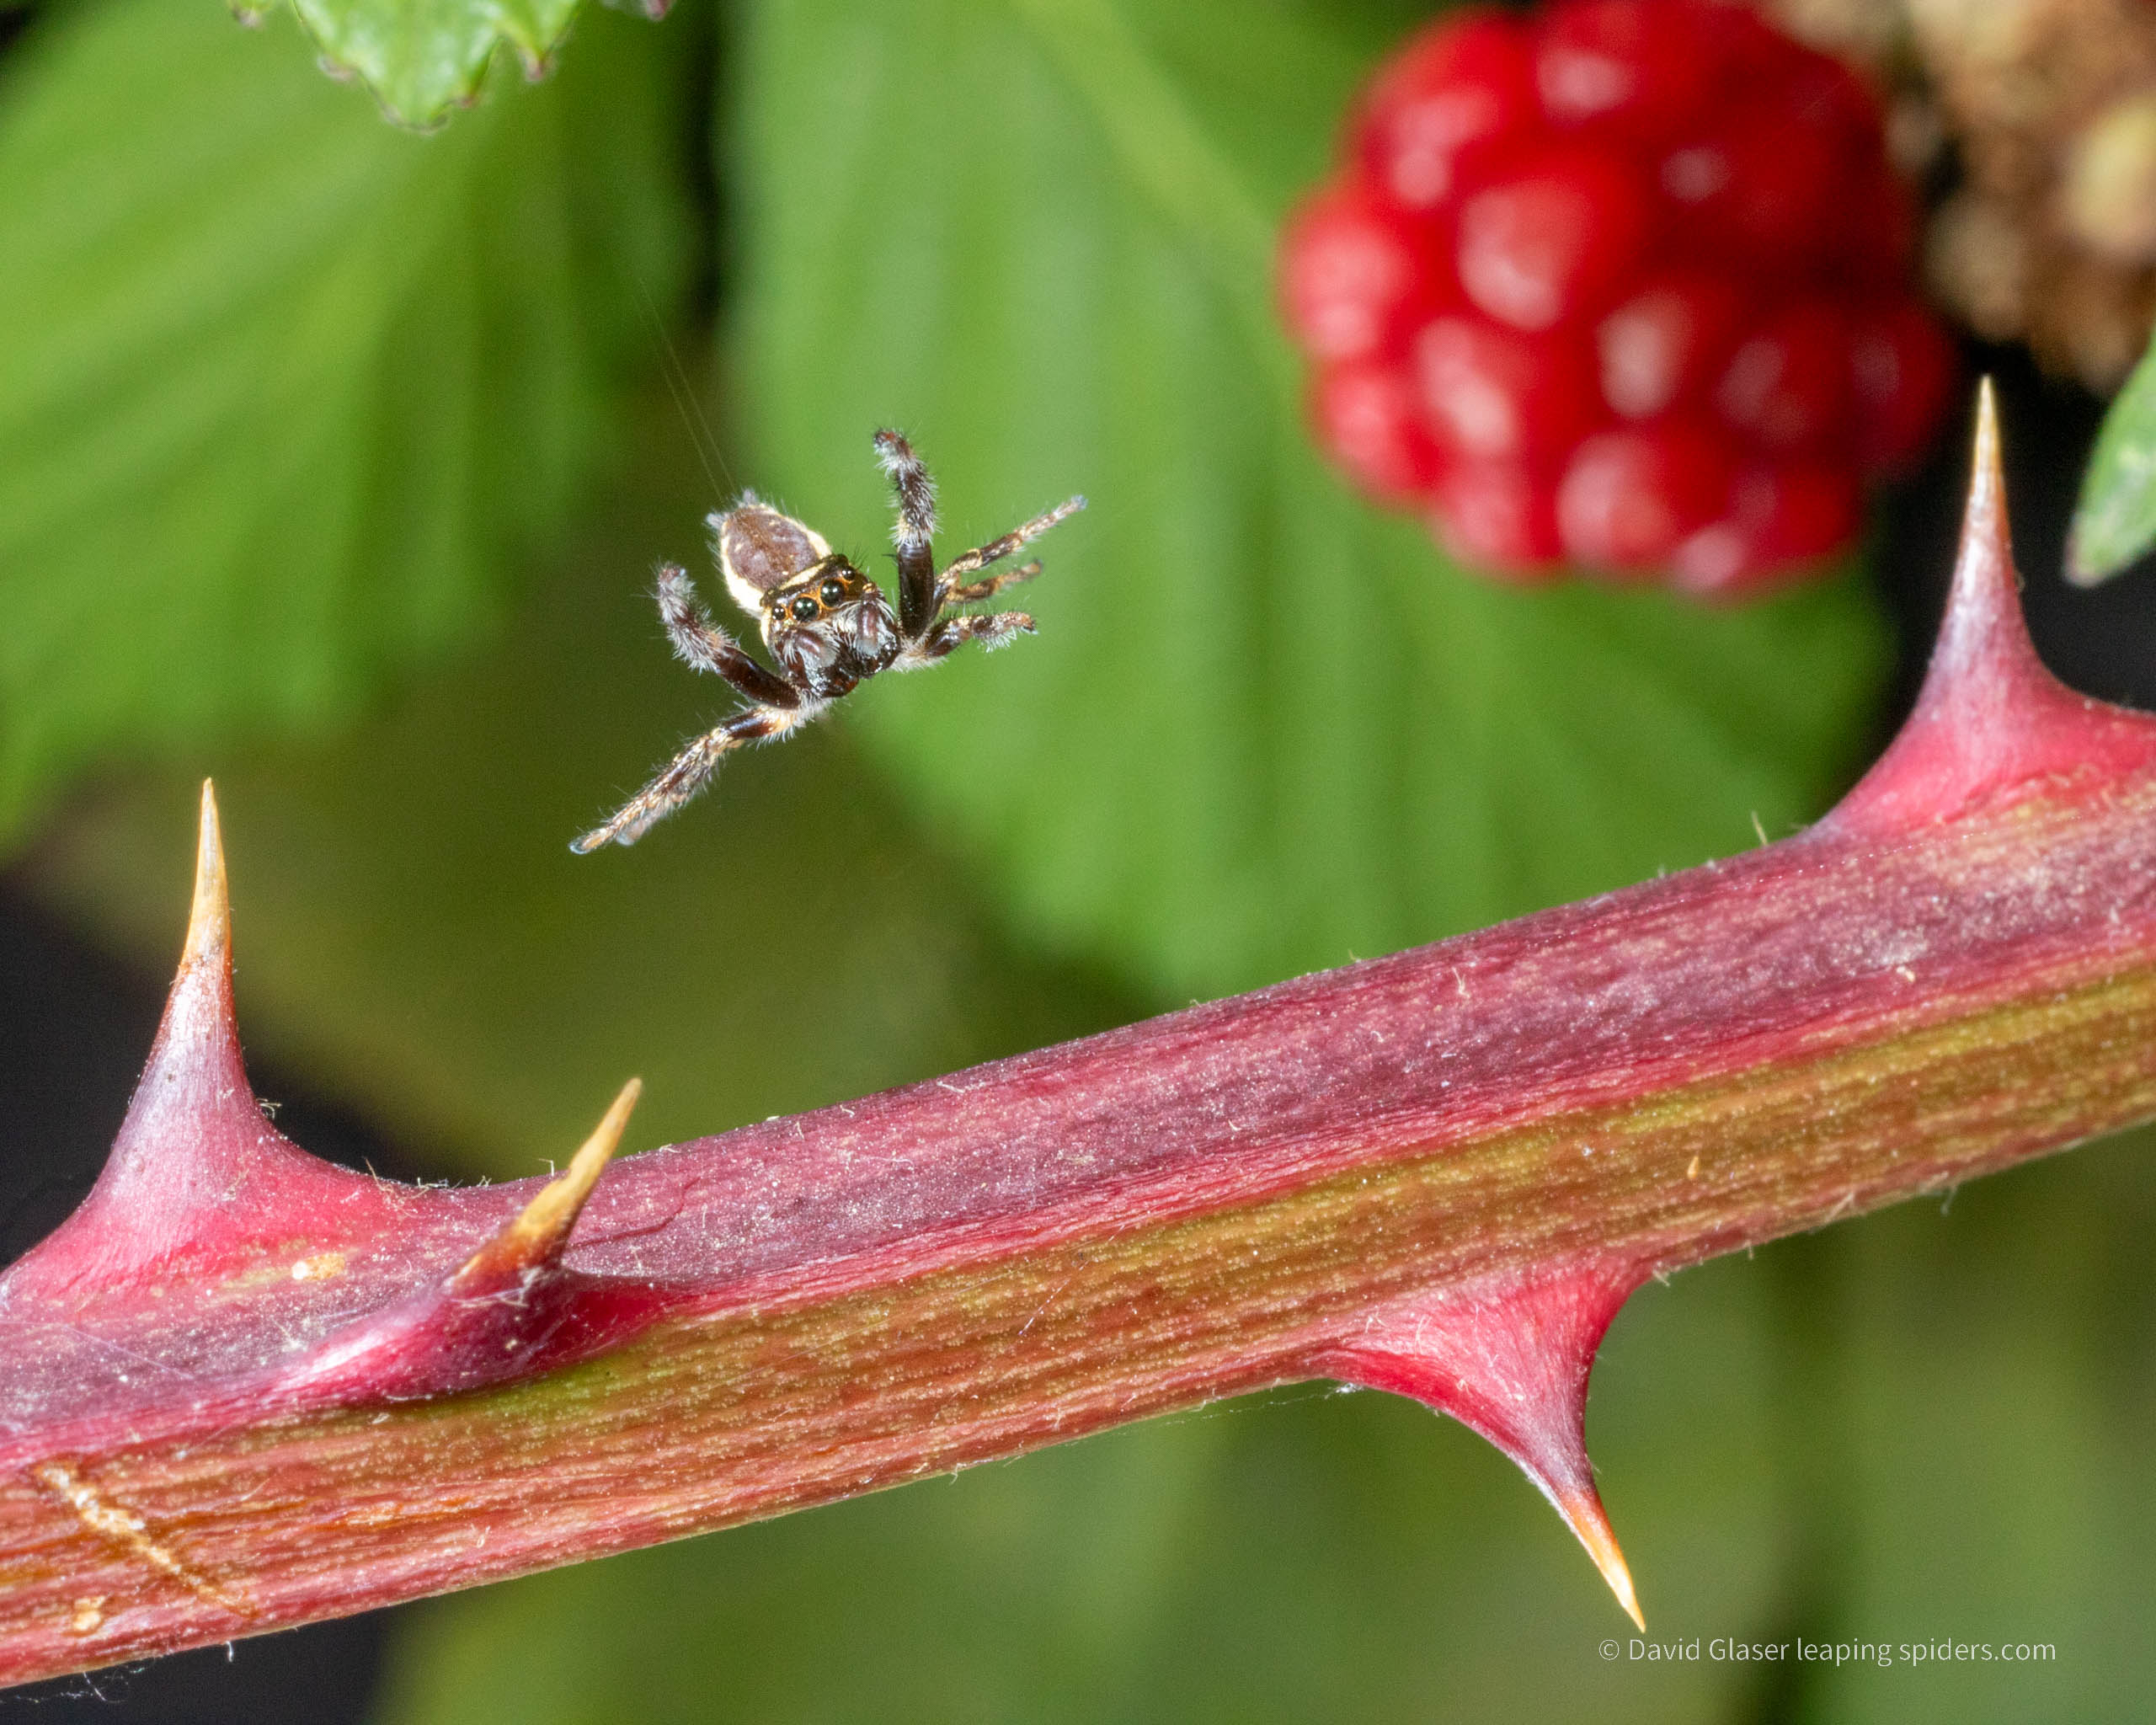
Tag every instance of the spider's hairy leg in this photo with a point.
(701, 645)
(967, 562)
(688, 771)
(915, 492)
(972, 592)
(998, 628)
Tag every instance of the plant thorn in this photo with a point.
(209, 918)
(1584, 1513)
(540, 1229)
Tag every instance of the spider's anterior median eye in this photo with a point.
(833, 591)
(803, 609)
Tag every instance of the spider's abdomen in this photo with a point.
(758, 549)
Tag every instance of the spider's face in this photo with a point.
(829, 627)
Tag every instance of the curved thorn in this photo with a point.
(1510, 1357)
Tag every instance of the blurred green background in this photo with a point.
(333, 460)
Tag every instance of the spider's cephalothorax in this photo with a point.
(827, 624)
(829, 628)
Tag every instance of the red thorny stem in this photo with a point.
(241, 1389)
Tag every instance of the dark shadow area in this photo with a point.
(323, 1674)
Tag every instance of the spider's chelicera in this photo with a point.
(826, 624)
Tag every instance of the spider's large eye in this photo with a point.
(803, 609)
(833, 591)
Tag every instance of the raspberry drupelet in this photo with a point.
(1623, 283)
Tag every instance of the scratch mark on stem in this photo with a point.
(131, 1532)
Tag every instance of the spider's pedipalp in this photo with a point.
(967, 562)
(690, 770)
(913, 533)
(759, 547)
(701, 645)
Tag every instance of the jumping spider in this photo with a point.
(827, 624)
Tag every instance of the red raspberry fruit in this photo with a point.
(1496, 516)
(1487, 390)
(1548, 238)
(1367, 419)
(1449, 96)
(1902, 368)
(1777, 515)
(1351, 277)
(1787, 386)
(1666, 342)
(1613, 61)
(1623, 282)
(1629, 499)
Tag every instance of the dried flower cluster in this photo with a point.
(2040, 115)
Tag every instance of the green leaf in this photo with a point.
(283, 389)
(1263, 728)
(2114, 523)
(423, 57)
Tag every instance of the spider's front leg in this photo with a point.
(688, 771)
(912, 538)
(700, 643)
(996, 628)
(952, 589)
